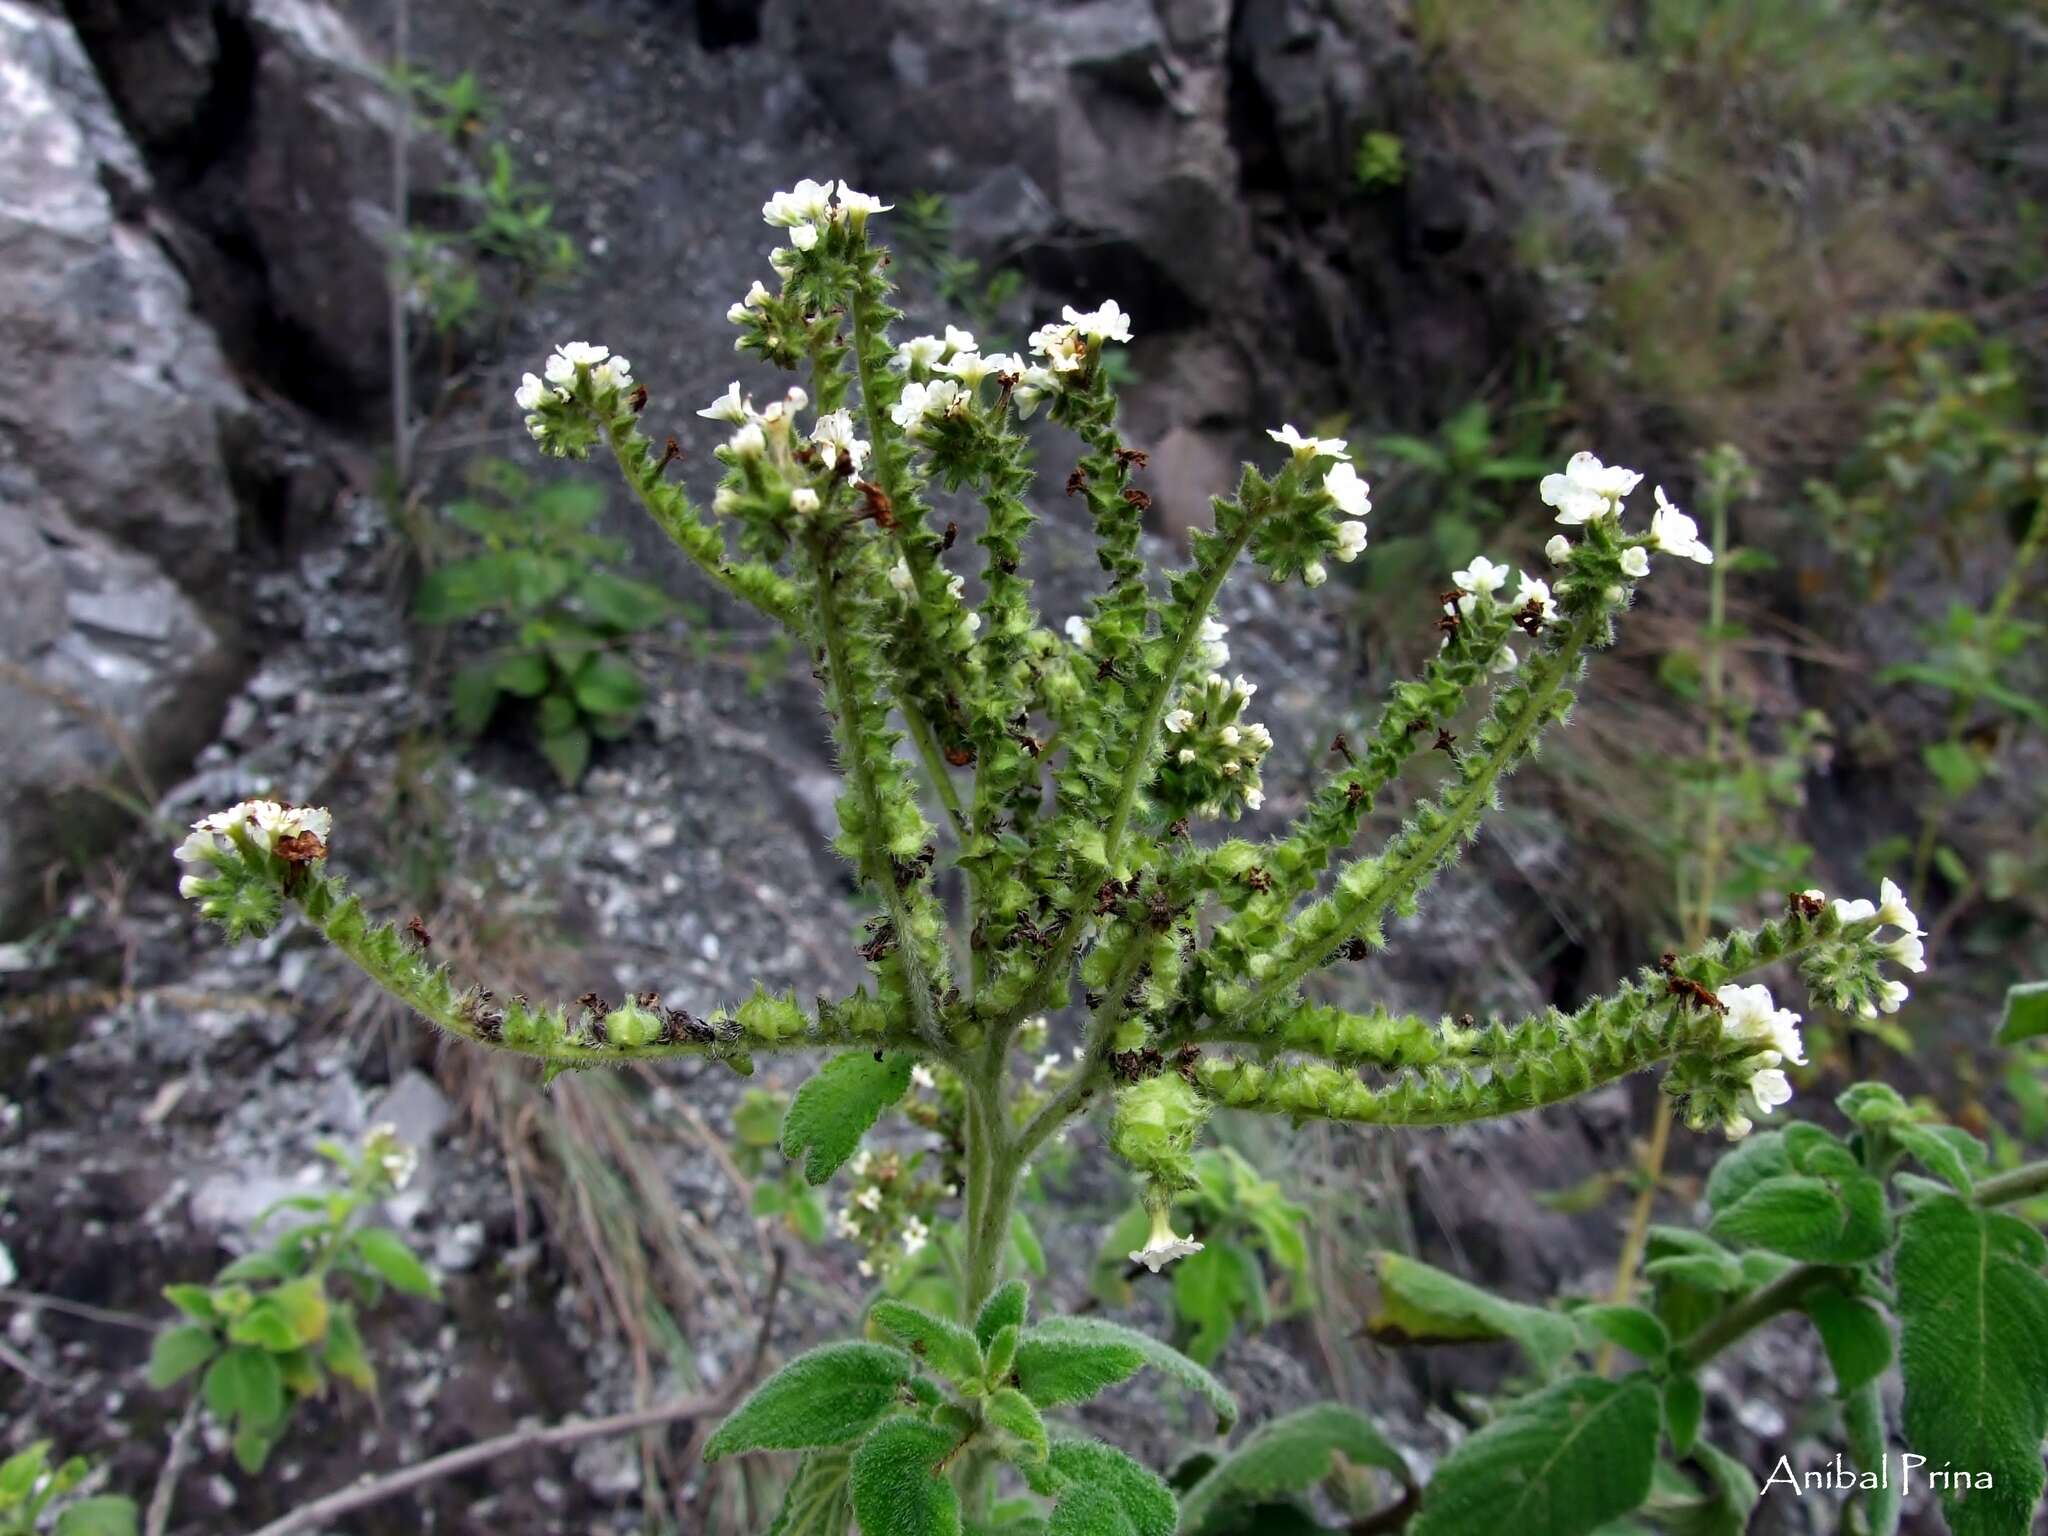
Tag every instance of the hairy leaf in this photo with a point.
(825, 1396)
(942, 1345)
(1684, 1405)
(1635, 1330)
(1748, 1163)
(1863, 1421)
(1162, 1357)
(1838, 1220)
(1051, 1371)
(107, 1515)
(819, 1501)
(2026, 1013)
(1146, 1502)
(246, 1384)
(1973, 1313)
(1086, 1510)
(898, 1487)
(1561, 1462)
(1856, 1337)
(1011, 1412)
(385, 1252)
(178, 1352)
(1423, 1304)
(839, 1105)
(1007, 1304)
(1291, 1454)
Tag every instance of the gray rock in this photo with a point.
(416, 1107)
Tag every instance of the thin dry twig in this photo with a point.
(158, 1519)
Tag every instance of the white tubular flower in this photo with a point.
(1211, 650)
(614, 373)
(1243, 687)
(1162, 1247)
(1673, 533)
(970, 368)
(1343, 484)
(958, 340)
(803, 499)
(1768, 1089)
(1587, 489)
(574, 352)
(730, 406)
(1314, 574)
(1892, 908)
(833, 434)
(921, 1075)
(750, 442)
(736, 314)
(531, 393)
(1558, 550)
(909, 408)
(1230, 735)
(1737, 1126)
(1535, 590)
(1890, 994)
(804, 236)
(1635, 562)
(915, 1236)
(918, 352)
(1185, 755)
(869, 1199)
(1315, 448)
(1908, 951)
(1061, 346)
(1754, 1018)
(900, 576)
(1482, 578)
(806, 203)
(1503, 660)
(783, 260)
(858, 205)
(1854, 911)
(1350, 541)
(1105, 323)
(1005, 362)
(1078, 631)
(758, 295)
(1178, 720)
(1254, 798)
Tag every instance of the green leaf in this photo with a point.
(528, 675)
(1973, 1314)
(384, 1251)
(1287, 1455)
(1006, 1306)
(1208, 1289)
(609, 686)
(838, 1105)
(107, 1515)
(1024, 1243)
(1164, 1358)
(1422, 1304)
(1821, 1221)
(473, 698)
(1947, 1150)
(1684, 1405)
(266, 1327)
(937, 1342)
(1863, 1424)
(253, 1448)
(345, 1355)
(1086, 1510)
(1560, 1462)
(462, 589)
(1011, 1412)
(898, 1489)
(1052, 1371)
(245, 1384)
(2026, 1013)
(825, 1396)
(1856, 1337)
(819, 1501)
(195, 1301)
(1871, 1105)
(1637, 1331)
(178, 1352)
(567, 752)
(253, 1266)
(1752, 1160)
(1146, 1502)
(621, 604)
(1729, 1500)
(303, 1305)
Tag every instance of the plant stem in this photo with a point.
(920, 732)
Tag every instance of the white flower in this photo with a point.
(1558, 550)
(582, 352)
(833, 433)
(1047, 1065)
(1060, 345)
(1313, 448)
(858, 203)
(870, 1198)
(750, 442)
(1186, 755)
(1908, 951)
(803, 499)
(1587, 489)
(1482, 578)
(1890, 994)
(725, 501)
(1737, 1126)
(1078, 631)
(806, 203)
(915, 1235)
(531, 393)
(1230, 770)
(921, 400)
(1754, 1018)
(1178, 720)
(613, 374)
(921, 1075)
(1770, 1088)
(1230, 735)
(1892, 908)
(736, 314)
(1211, 649)
(862, 1160)
(1673, 533)
(1162, 1247)
(1503, 660)
(730, 406)
(804, 236)
(1261, 737)
(1635, 562)
(844, 1224)
(867, 1270)
(1005, 362)
(1254, 798)
(1847, 912)
(1345, 486)
(1033, 385)
(900, 576)
(1350, 539)
(8, 1273)
(1534, 590)
(1242, 687)
(970, 368)
(1106, 323)
(1314, 574)
(758, 295)
(1814, 893)
(919, 351)
(956, 587)
(958, 340)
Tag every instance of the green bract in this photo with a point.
(1026, 804)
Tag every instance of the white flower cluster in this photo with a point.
(1342, 484)
(540, 396)
(773, 424)
(1162, 1247)
(1754, 1018)
(1908, 949)
(389, 1156)
(263, 822)
(757, 297)
(904, 580)
(1589, 489)
(1212, 749)
(1066, 345)
(808, 208)
(883, 1210)
(1481, 580)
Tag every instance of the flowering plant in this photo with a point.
(1074, 769)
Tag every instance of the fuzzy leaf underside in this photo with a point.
(1288, 1455)
(838, 1105)
(825, 1396)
